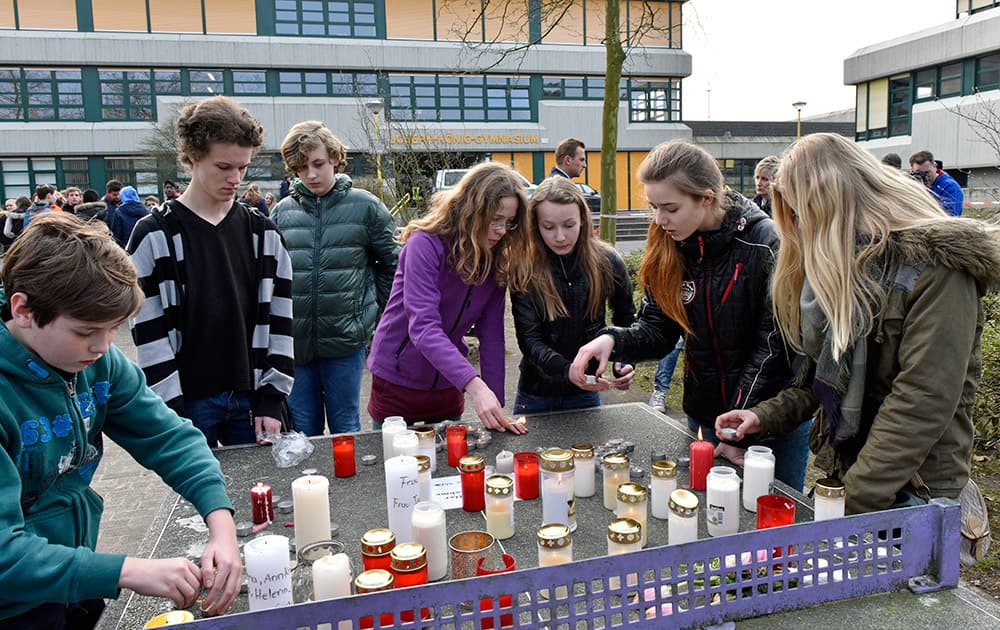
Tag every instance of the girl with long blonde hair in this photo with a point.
(452, 275)
(706, 274)
(574, 277)
(881, 294)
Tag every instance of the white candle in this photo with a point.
(331, 576)
(584, 473)
(390, 427)
(758, 475)
(402, 492)
(269, 580)
(829, 500)
(311, 499)
(405, 442)
(682, 522)
(662, 484)
(552, 557)
(722, 501)
(555, 501)
(505, 463)
(499, 520)
(430, 530)
(615, 474)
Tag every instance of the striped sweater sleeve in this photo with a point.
(157, 341)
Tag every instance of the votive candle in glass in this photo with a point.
(430, 529)
(616, 472)
(457, 446)
(583, 455)
(632, 503)
(261, 501)
(722, 501)
(624, 535)
(555, 544)
(473, 470)
(390, 427)
(405, 443)
(526, 475)
(758, 475)
(376, 545)
(424, 476)
(663, 482)
(829, 500)
(426, 444)
(500, 506)
(682, 522)
(409, 568)
(373, 581)
(344, 464)
(558, 477)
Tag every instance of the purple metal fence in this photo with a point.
(732, 577)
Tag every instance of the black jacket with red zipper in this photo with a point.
(736, 357)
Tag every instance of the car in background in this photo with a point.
(449, 178)
(591, 196)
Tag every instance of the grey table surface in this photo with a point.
(358, 503)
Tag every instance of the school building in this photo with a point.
(83, 83)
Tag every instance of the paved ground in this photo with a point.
(131, 493)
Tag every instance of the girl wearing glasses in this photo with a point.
(707, 273)
(575, 276)
(881, 294)
(453, 272)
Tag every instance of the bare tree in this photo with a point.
(492, 40)
(983, 119)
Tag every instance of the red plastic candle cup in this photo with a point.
(260, 499)
(457, 446)
(343, 456)
(526, 475)
(774, 510)
(473, 470)
(702, 455)
(506, 601)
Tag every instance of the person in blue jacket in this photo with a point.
(942, 185)
(123, 218)
(65, 386)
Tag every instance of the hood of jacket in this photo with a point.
(341, 185)
(959, 244)
(90, 207)
(129, 194)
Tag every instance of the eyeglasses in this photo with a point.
(503, 225)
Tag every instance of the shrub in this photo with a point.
(986, 415)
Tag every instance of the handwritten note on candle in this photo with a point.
(269, 581)
(402, 492)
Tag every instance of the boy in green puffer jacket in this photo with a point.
(64, 387)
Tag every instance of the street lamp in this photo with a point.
(798, 105)
(375, 106)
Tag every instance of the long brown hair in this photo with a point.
(694, 172)
(463, 215)
(591, 253)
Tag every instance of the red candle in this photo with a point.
(376, 545)
(373, 581)
(526, 475)
(505, 601)
(457, 446)
(343, 456)
(473, 469)
(409, 568)
(702, 455)
(260, 499)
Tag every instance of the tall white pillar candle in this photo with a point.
(758, 475)
(430, 530)
(402, 492)
(311, 499)
(331, 576)
(722, 501)
(269, 579)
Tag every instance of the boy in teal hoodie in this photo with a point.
(63, 386)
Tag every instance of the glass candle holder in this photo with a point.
(500, 506)
(505, 601)
(624, 535)
(558, 477)
(373, 581)
(261, 501)
(758, 475)
(473, 470)
(829, 499)
(555, 545)
(409, 568)
(722, 501)
(774, 510)
(526, 475)
(315, 581)
(426, 444)
(632, 503)
(616, 472)
(682, 522)
(662, 483)
(376, 545)
(430, 529)
(457, 446)
(390, 427)
(583, 455)
(424, 477)
(344, 464)
(405, 443)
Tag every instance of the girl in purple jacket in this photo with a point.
(452, 275)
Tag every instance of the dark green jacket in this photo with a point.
(344, 256)
(924, 366)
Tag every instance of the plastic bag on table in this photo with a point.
(291, 448)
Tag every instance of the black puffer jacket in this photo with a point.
(736, 357)
(548, 347)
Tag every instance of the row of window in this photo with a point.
(884, 106)
(31, 94)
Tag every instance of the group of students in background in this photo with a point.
(850, 321)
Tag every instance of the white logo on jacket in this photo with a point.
(687, 291)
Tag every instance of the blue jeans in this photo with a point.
(225, 418)
(665, 370)
(791, 452)
(333, 384)
(536, 403)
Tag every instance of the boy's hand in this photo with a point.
(176, 578)
(264, 427)
(221, 569)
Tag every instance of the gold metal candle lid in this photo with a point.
(471, 463)
(424, 433)
(377, 542)
(830, 488)
(554, 536)
(624, 531)
(408, 556)
(583, 451)
(499, 486)
(373, 580)
(616, 461)
(683, 503)
(631, 493)
(557, 460)
(423, 463)
(664, 469)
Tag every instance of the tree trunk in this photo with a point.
(615, 58)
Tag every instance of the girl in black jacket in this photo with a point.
(574, 275)
(707, 274)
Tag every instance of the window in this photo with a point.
(41, 94)
(137, 172)
(459, 98)
(988, 72)
(579, 88)
(925, 84)
(328, 83)
(654, 101)
(950, 79)
(249, 82)
(323, 18)
(19, 176)
(206, 82)
(899, 105)
(127, 95)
